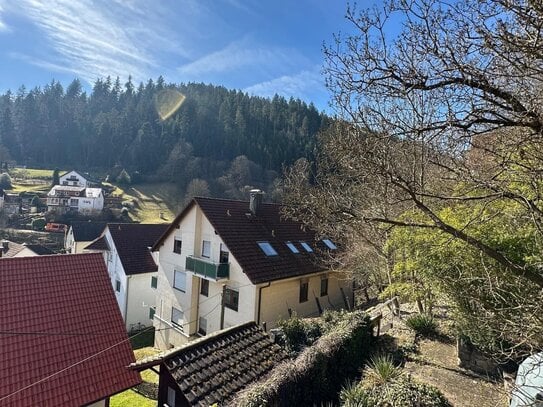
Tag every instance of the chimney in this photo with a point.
(4, 247)
(256, 201)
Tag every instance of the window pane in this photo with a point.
(324, 287)
(206, 249)
(231, 299)
(204, 287)
(223, 254)
(306, 247)
(177, 317)
(329, 244)
(117, 285)
(180, 280)
(154, 281)
(177, 244)
(151, 313)
(267, 248)
(304, 288)
(292, 248)
(202, 326)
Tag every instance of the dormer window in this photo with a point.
(267, 248)
(306, 247)
(329, 244)
(292, 248)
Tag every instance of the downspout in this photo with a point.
(260, 301)
(126, 302)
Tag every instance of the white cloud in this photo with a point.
(300, 85)
(241, 54)
(3, 26)
(97, 39)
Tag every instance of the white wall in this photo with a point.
(80, 182)
(140, 298)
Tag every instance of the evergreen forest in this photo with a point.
(223, 137)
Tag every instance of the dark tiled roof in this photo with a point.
(241, 232)
(87, 231)
(69, 344)
(212, 369)
(98, 244)
(40, 250)
(132, 241)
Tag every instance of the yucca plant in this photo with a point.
(422, 324)
(381, 370)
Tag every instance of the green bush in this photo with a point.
(422, 324)
(299, 333)
(5, 181)
(38, 223)
(401, 392)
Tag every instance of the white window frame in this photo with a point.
(180, 320)
(180, 276)
(206, 253)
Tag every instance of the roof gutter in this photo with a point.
(260, 301)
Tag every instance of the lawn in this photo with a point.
(156, 203)
(130, 397)
(31, 173)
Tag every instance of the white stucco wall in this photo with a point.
(80, 180)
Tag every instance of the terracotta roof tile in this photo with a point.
(68, 332)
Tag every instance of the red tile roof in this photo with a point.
(62, 338)
(241, 232)
(132, 241)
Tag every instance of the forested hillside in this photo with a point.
(222, 136)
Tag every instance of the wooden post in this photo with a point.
(222, 305)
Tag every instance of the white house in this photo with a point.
(131, 268)
(263, 267)
(62, 199)
(12, 249)
(73, 179)
(81, 234)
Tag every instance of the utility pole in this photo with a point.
(222, 305)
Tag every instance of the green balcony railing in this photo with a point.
(207, 268)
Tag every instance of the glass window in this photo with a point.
(292, 248)
(151, 313)
(304, 289)
(177, 317)
(118, 286)
(329, 244)
(202, 326)
(180, 280)
(267, 248)
(177, 244)
(306, 247)
(231, 299)
(204, 287)
(154, 281)
(324, 287)
(223, 254)
(206, 249)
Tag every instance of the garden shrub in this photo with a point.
(5, 181)
(381, 370)
(401, 392)
(318, 373)
(422, 324)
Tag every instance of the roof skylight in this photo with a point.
(292, 248)
(306, 247)
(329, 244)
(267, 248)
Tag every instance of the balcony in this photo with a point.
(207, 268)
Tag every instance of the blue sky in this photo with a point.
(262, 47)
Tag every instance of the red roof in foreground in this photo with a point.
(62, 338)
